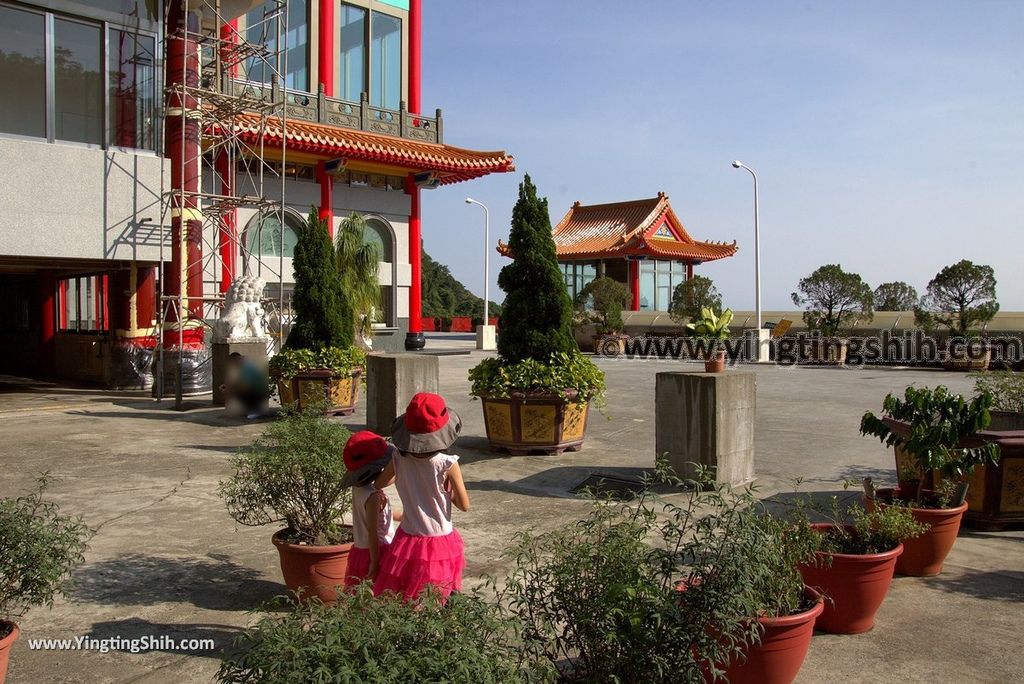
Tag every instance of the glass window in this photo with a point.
(84, 297)
(352, 42)
(263, 235)
(648, 290)
(132, 103)
(78, 82)
(379, 232)
(141, 9)
(261, 29)
(385, 61)
(22, 72)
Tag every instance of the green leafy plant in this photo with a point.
(358, 266)
(834, 299)
(293, 473)
(385, 640)
(654, 591)
(937, 425)
(570, 376)
(288, 363)
(693, 295)
(959, 297)
(39, 547)
(601, 302)
(711, 326)
(1005, 387)
(895, 296)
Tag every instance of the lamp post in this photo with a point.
(761, 347)
(485, 338)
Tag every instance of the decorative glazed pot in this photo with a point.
(610, 344)
(320, 385)
(536, 423)
(5, 647)
(923, 556)
(854, 586)
(314, 570)
(784, 645)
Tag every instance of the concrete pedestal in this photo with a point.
(486, 337)
(707, 419)
(391, 382)
(255, 350)
(764, 345)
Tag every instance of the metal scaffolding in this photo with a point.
(220, 75)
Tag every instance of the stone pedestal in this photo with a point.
(707, 419)
(255, 350)
(763, 340)
(486, 337)
(391, 382)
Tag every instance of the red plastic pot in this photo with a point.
(314, 570)
(854, 586)
(784, 645)
(5, 647)
(923, 556)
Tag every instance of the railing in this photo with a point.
(360, 116)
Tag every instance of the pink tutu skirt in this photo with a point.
(359, 564)
(414, 562)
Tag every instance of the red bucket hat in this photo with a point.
(366, 454)
(427, 425)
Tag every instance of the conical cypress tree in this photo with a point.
(536, 317)
(323, 314)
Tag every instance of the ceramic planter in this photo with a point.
(536, 423)
(715, 364)
(5, 647)
(610, 344)
(784, 645)
(854, 586)
(923, 556)
(318, 385)
(315, 570)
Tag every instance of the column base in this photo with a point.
(414, 341)
(764, 346)
(486, 338)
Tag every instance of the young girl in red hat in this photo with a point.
(426, 550)
(366, 455)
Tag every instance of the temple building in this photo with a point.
(152, 151)
(640, 243)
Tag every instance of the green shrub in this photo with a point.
(39, 548)
(601, 302)
(384, 640)
(572, 376)
(692, 295)
(292, 473)
(288, 363)
(1005, 387)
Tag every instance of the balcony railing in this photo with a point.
(360, 116)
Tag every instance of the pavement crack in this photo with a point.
(165, 497)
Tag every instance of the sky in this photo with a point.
(887, 137)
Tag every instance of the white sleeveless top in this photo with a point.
(426, 506)
(385, 522)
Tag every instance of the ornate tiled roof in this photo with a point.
(645, 227)
(453, 164)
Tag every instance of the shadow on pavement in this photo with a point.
(132, 629)
(993, 585)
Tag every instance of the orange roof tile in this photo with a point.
(628, 229)
(453, 164)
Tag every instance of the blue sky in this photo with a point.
(887, 136)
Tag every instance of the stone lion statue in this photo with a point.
(243, 315)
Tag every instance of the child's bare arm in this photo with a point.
(386, 477)
(372, 507)
(458, 488)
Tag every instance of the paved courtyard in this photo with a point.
(167, 559)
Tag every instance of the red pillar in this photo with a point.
(634, 282)
(326, 181)
(689, 271)
(145, 296)
(226, 229)
(414, 338)
(186, 219)
(325, 55)
(46, 285)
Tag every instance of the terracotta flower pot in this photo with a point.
(784, 645)
(923, 556)
(854, 586)
(716, 364)
(315, 570)
(5, 647)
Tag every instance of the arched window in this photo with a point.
(380, 232)
(263, 235)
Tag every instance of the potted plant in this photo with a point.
(712, 330)
(361, 638)
(293, 474)
(601, 302)
(960, 297)
(536, 392)
(834, 300)
(855, 561)
(319, 363)
(39, 548)
(358, 262)
(935, 430)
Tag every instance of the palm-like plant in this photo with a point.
(358, 265)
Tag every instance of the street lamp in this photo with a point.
(757, 243)
(485, 337)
